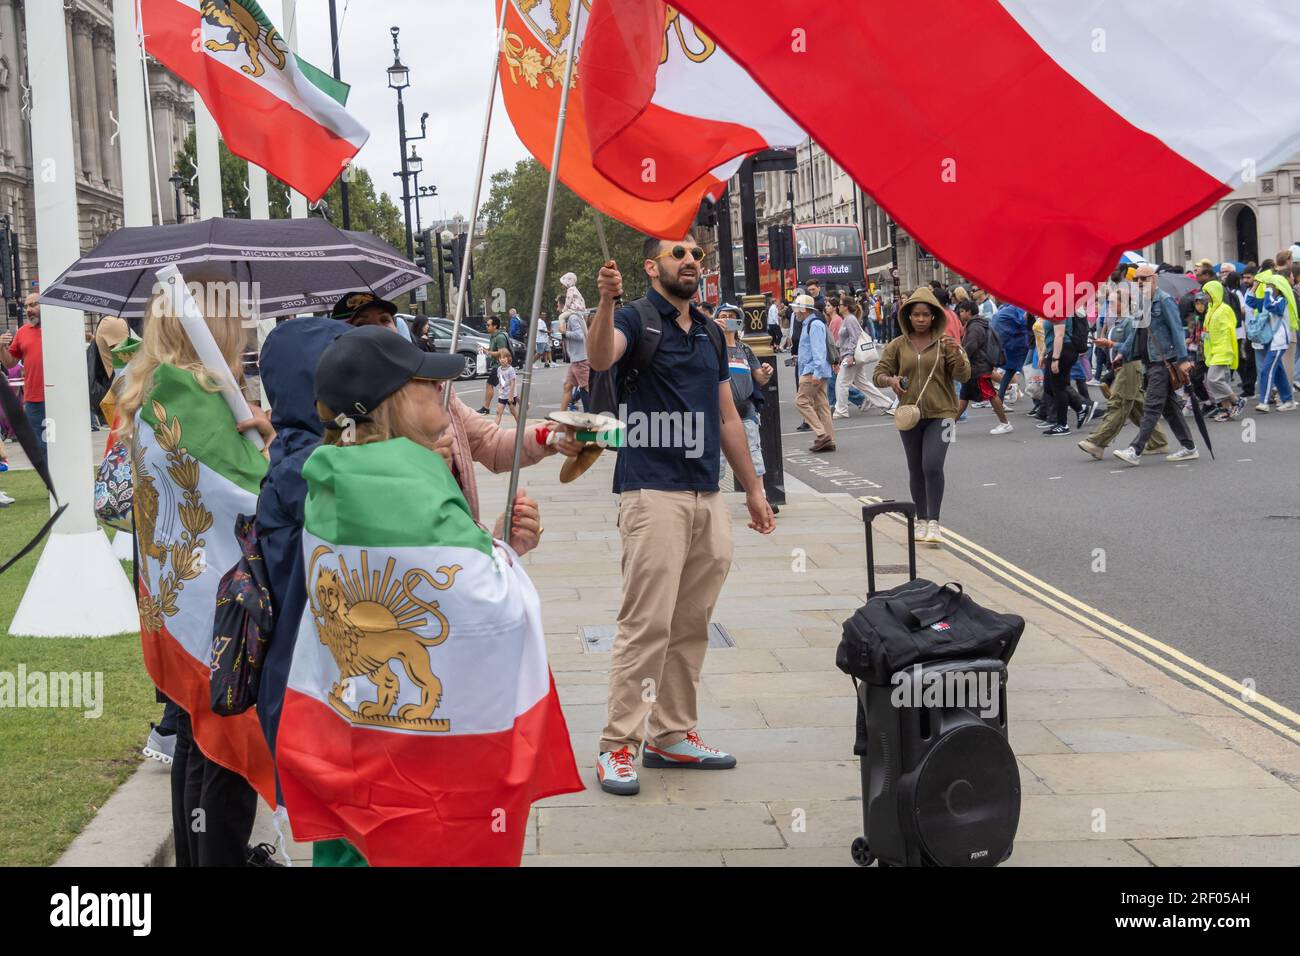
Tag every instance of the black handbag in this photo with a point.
(919, 622)
(242, 627)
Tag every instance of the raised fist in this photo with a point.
(609, 281)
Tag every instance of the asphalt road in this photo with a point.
(1202, 556)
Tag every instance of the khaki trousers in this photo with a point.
(676, 555)
(814, 406)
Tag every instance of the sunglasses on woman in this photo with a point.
(679, 252)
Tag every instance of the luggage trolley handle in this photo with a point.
(869, 514)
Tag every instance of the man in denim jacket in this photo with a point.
(1156, 337)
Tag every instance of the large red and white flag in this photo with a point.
(646, 139)
(1026, 143)
(273, 107)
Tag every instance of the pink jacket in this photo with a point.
(476, 438)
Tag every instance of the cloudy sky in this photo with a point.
(448, 46)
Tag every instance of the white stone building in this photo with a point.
(97, 153)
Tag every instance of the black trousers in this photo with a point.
(212, 807)
(1160, 401)
(1246, 370)
(926, 450)
(1059, 392)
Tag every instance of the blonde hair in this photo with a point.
(397, 416)
(165, 343)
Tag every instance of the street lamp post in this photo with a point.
(422, 192)
(399, 78)
(176, 180)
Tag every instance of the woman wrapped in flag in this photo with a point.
(421, 721)
(193, 474)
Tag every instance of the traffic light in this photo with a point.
(457, 254)
(446, 254)
(707, 217)
(780, 247)
(422, 260)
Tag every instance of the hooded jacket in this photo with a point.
(1220, 342)
(288, 367)
(938, 399)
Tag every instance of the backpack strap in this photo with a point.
(719, 342)
(647, 343)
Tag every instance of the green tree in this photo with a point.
(513, 214)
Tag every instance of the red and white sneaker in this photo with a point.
(691, 752)
(616, 771)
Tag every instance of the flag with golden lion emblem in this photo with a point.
(193, 475)
(273, 107)
(420, 721)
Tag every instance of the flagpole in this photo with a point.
(543, 252)
(78, 587)
(297, 201)
(478, 190)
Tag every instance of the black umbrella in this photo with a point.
(1176, 284)
(291, 265)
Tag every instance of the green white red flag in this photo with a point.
(193, 474)
(420, 721)
(273, 107)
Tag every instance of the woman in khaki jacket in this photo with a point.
(922, 366)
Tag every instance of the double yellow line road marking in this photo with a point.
(1232, 692)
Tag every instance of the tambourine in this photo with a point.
(596, 431)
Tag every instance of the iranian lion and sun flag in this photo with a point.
(1022, 143)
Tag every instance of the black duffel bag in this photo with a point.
(921, 621)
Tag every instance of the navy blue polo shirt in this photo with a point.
(674, 422)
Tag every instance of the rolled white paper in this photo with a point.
(205, 347)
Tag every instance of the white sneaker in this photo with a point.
(1002, 429)
(1184, 454)
(1013, 395)
(932, 533)
(1286, 406)
(837, 415)
(5, 500)
(616, 770)
(1262, 409)
(160, 747)
(1127, 455)
(919, 532)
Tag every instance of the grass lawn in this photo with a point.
(57, 767)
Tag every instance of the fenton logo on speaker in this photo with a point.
(918, 687)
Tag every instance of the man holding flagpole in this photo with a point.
(674, 525)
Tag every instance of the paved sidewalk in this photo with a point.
(1120, 764)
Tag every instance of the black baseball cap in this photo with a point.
(361, 368)
(346, 308)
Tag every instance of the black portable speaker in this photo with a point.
(940, 784)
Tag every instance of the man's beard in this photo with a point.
(682, 289)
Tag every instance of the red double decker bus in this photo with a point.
(832, 254)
